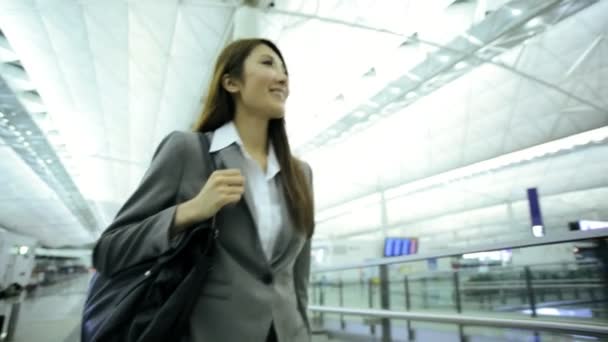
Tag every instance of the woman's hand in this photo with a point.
(222, 188)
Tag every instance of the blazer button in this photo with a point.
(267, 278)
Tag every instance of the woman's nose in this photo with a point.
(282, 77)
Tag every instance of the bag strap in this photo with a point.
(213, 232)
(205, 140)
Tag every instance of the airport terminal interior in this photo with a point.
(459, 151)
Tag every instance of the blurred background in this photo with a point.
(459, 149)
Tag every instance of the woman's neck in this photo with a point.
(253, 132)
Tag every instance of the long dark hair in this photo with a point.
(219, 108)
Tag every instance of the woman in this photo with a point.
(257, 289)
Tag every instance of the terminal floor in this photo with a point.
(52, 313)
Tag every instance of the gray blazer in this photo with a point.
(245, 292)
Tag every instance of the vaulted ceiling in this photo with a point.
(457, 118)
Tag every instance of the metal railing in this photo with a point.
(469, 320)
(464, 288)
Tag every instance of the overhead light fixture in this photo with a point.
(28, 132)
(1, 115)
(359, 114)
(394, 90)
(444, 58)
(413, 76)
(534, 22)
(23, 250)
(516, 11)
(12, 128)
(594, 136)
(461, 65)
(472, 39)
(410, 95)
(372, 104)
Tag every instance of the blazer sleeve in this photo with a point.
(302, 271)
(140, 230)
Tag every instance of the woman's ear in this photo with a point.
(230, 84)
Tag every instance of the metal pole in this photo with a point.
(385, 302)
(370, 298)
(410, 331)
(530, 290)
(314, 289)
(322, 302)
(341, 298)
(457, 302)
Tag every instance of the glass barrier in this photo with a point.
(574, 290)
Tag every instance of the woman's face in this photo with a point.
(264, 87)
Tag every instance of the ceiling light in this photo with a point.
(1, 115)
(12, 128)
(413, 76)
(410, 95)
(394, 90)
(26, 144)
(28, 132)
(534, 22)
(444, 58)
(461, 65)
(472, 39)
(516, 11)
(531, 153)
(359, 114)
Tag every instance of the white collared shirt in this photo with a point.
(262, 186)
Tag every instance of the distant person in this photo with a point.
(262, 195)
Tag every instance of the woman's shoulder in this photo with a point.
(182, 140)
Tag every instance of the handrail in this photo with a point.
(569, 236)
(533, 324)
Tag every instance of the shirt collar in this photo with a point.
(224, 137)
(228, 135)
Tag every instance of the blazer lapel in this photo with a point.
(232, 158)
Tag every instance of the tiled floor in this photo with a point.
(53, 313)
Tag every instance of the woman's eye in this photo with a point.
(267, 63)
